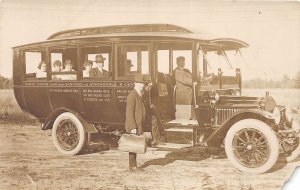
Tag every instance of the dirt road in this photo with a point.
(29, 160)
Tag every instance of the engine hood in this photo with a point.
(266, 103)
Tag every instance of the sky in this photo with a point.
(271, 28)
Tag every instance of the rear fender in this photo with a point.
(48, 123)
(217, 137)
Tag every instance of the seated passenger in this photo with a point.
(88, 66)
(57, 66)
(99, 72)
(42, 72)
(68, 68)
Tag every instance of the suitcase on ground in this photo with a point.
(132, 143)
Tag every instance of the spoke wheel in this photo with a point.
(69, 135)
(252, 146)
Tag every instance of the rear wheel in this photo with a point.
(69, 135)
(252, 146)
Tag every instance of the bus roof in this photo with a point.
(144, 30)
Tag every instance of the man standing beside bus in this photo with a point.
(135, 116)
(99, 71)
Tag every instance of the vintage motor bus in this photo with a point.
(253, 130)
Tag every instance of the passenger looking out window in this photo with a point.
(57, 66)
(68, 66)
(99, 71)
(88, 66)
(42, 70)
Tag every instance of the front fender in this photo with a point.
(47, 124)
(217, 137)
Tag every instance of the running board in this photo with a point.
(173, 146)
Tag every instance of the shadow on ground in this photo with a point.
(100, 143)
(187, 154)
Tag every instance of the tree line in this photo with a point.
(285, 82)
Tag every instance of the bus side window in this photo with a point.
(36, 67)
(133, 60)
(100, 65)
(96, 61)
(63, 63)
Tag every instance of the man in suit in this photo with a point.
(98, 72)
(135, 116)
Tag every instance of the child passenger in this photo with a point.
(68, 68)
(57, 66)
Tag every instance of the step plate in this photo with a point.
(181, 136)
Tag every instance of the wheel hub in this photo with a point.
(249, 147)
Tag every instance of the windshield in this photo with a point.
(228, 61)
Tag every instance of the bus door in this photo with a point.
(165, 85)
(35, 82)
(175, 97)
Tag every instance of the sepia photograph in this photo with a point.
(160, 94)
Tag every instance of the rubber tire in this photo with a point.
(294, 154)
(265, 130)
(83, 135)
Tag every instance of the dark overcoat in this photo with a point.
(96, 73)
(135, 112)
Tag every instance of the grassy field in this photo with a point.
(10, 110)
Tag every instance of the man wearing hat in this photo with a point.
(99, 72)
(183, 76)
(135, 115)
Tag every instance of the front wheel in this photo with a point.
(252, 146)
(69, 135)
